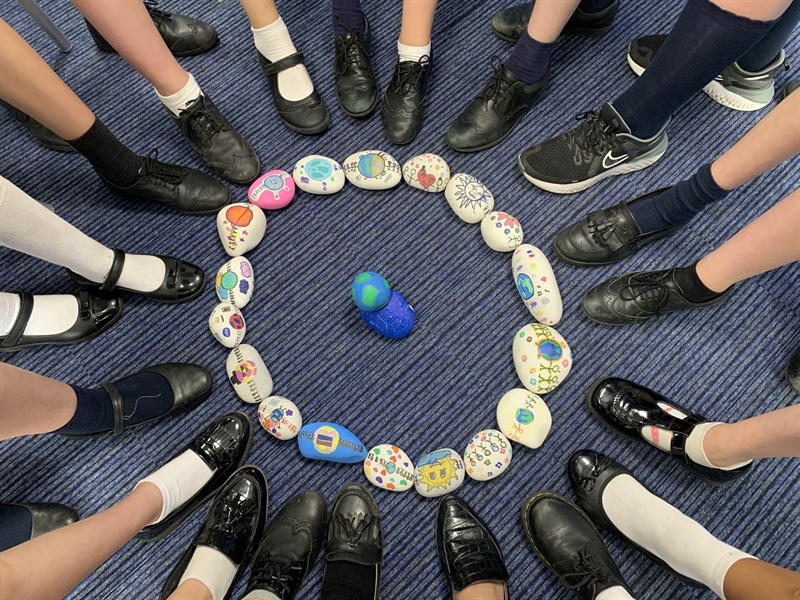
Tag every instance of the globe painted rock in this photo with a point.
(280, 417)
(542, 357)
(469, 198)
(241, 227)
(388, 467)
(248, 374)
(370, 291)
(427, 172)
(501, 231)
(438, 473)
(226, 323)
(272, 190)
(317, 174)
(235, 281)
(536, 284)
(524, 418)
(395, 320)
(372, 170)
(488, 455)
(332, 442)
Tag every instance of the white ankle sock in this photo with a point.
(665, 531)
(275, 43)
(182, 98)
(50, 314)
(412, 53)
(614, 593)
(211, 568)
(260, 595)
(179, 480)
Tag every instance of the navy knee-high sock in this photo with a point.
(766, 50)
(704, 41)
(16, 525)
(529, 59)
(348, 11)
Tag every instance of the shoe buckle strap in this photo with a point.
(18, 329)
(118, 406)
(285, 63)
(114, 273)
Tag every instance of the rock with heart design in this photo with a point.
(524, 418)
(501, 231)
(241, 227)
(438, 473)
(234, 282)
(372, 170)
(427, 172)
(272, 190)
(331, 442)
(542, 357)
(227, 324)
(469, 198)
(248, 374)
(280, 417)
(317, 174)
(488, 455)
(395, 320)
(536, 284)
(388, 467)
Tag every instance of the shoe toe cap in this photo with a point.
(597, 305)
(106, 310)
(202, 194)
(581, 466)
(190, 383)
(192, 279)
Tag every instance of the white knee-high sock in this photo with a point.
(211, 568)
(181, 99)
(274, 43)
(614, 593)
(260, 595)
(50, 314)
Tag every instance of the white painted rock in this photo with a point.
(280, 417)
(536, 284)
(227, 324)
(469, 198)
(523, 417)
(234, 282)
(438, 473)
(241, 227)
(248, 374)
(427, 172)
(317, 174)
(542, 357)
(501, 231)
(488, 455)
(389, 468)
(372, 170)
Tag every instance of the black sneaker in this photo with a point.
(790, 88)
(356, 88)
(510, 23)
(601, 146)
(41, 133)
(219, 145)
(402, 108)
(491, 117)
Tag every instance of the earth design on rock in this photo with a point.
(318, 175)
(372, 170)
(318, 169)
(371, 165)
(370, 291)
(524, 418)
(542, 357)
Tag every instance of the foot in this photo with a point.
(356, 88)
(510, 23)
(793, 371)
(402, 108)
(22, 522)
(41, 133)
(600, 147)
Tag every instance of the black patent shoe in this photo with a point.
(95, 315)
(290, 546)
(356, 88)
(223, 149)
(187, 190)
(41, 133)
(403, 102)
(307, 116)
(793, 371)
(223, 446)
(568, 543)
(510, 23)
(491, 117)
(182, 281)
(233, 525)
(45, 517)
(466, 548)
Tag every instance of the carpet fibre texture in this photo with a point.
(440, 386)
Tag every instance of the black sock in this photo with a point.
(593, 6)
(145, 396)
(704, 42)
(529, 59)
(16, 525)
(109, 157)
(770, 46)
(693, 289)
(350, 12)
(348, 581)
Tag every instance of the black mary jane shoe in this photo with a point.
(402, 110)
(95, 315)
(223, 446)
(45, 517)
(182, 281)
(356, 87)
(42, 134)
(626, 408)
(233, 525)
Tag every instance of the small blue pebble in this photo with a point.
(370, 291)
(395, 320)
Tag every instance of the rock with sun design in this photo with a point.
(501, 231)
(372, 170)
(427, 172)
(524, 418)
(241, 227)
(280, 417)
(469, 198)
(488, 455)
(536, 284)
(438, 473)
(317, 174)
(542, 357)
(388, 467)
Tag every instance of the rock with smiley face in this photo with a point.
(438, 473)
(542, 357)
(388, 467)
(469, 198)
(536, 284)
(272, 190)
(427, 172)
(248, 374)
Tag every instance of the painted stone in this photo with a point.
(438, 473)
(227, 324)
(372, 170)
(241, 227)
(248, 374)
(427, 172)
(395, 320)
(235, 281)
(272, 190)
(469, 198)
(280, 417)
(388, 467)
(332, 442)
(542, 357)
(370, 291)
(536, 284)
(524, 418)
(488, 455)
(317, 174)
(501, 231)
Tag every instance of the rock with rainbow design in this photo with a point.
(388, 467)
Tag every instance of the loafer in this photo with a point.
(45, 517)
(793, 371)
(233, 525)
(466, 548)
(187, 190)
(509, 23)
(42, 134)
(403, 102)
(356, 88)
(223, 446)
(96, 313)
(568, 543)
(607, 236)
(182, 281)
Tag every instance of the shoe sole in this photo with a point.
(311, 130)
(361, 115)
(211, 211)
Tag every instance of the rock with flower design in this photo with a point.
(542, 357)
(438, 473)
(248, 374)
(280, 417)
(226, 323)
(536, 284)
(469, 198)
(501, 231)
(388, 467)
(234, 282)
(372, 170)
(488, 455)
(427, 172)
(524, 418)
(241, 227)
(317, 174)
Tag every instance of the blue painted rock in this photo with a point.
(372, 170)
(488, 455)
(332, 442)
(248, 374)
(388, 467)
(501, 231)
(395, 320)
(241, 227)
(542, 357)
(536, 284)
(370, 291)
(272, 190)
(469, 198)
(226, 323)
(280, 417)
(317, 174)
(235, 281)
(427, 172)
(524, 418)
(438, 473)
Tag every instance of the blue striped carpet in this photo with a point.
(439, 386)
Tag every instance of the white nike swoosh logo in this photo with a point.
(609, 160)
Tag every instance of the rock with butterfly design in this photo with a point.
(317, 174)
(372, 170)
(226, 323)
(488, 455)
(427, 172)
(241, 227)
(524, 418)
(542, 357)
(501, 231)
(469, 198)
(536, 284)
(248, 374)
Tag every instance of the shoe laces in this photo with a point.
(593, 135)
(279, 572)
(648, 287)
(588, 481)
(163, 173)
(204, 122)
(158, 15)
(587, 571)
(498, 86)
(408, 73)
(354, 527)
(353, 52)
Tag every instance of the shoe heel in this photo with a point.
(99, 40)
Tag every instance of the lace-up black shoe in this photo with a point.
(636, 297)
(290, 546)
(219, 145)
(509, 23)
(492, 116)
(356, 88)
(402, 108)
(185, 189)
(600, 147)
(568, 543)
